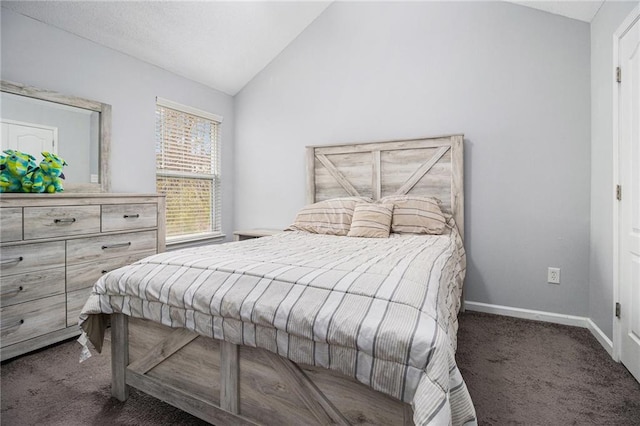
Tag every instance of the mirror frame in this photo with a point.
(104, 137)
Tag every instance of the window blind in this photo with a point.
(188, 169)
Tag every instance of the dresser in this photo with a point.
(54, 247)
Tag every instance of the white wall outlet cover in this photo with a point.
(553, 275)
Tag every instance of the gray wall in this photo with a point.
(513, 79)
(606, 22)
(40, 55)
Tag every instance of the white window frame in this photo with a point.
(194, 239)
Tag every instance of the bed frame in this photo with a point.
(223, 383)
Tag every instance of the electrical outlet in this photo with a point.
(553, 275)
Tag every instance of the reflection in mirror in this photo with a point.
(33, 126)
(76, 129)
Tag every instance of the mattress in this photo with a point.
(383, 311)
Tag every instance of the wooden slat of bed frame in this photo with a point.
(429, 142)
(186, 401)
(176, 341)
(316, 402)
(421, 171)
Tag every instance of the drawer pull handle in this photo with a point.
(13, 261)
(65, 220)
(16, 292)
(131, 216)
(16, 325)
(120, 245)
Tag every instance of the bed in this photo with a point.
(303, 328)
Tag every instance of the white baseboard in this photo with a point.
(606, 343)
(552, 317)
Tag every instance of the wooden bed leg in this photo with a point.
(229, 377)
(119, 356)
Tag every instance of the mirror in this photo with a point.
(78, 130)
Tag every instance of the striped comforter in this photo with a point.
(382, 311)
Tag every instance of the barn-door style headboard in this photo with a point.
(430, 167)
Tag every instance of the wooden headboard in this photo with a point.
(427, 167)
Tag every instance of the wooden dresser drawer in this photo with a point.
(98, 249)
(31, 286)
(27, 258)
(32, 319)
(60, 221)
(75, 303)
(123, 217)
(83, 275)
(10, 224)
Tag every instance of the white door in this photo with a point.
(629, 207)
(28, 137)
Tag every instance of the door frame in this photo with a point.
(626, 25)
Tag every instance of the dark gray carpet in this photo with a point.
(535, 373)
(517, 371)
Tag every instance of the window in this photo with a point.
(188, 170)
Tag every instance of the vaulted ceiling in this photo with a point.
(222, 44)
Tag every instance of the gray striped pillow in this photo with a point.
(416, 215)
(331, 217)
(371, 220)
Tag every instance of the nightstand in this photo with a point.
(254, 233)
